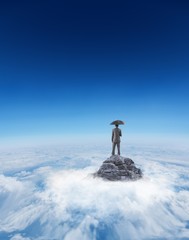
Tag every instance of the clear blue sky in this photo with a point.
(72, 67)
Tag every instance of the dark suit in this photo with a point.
(116, 134)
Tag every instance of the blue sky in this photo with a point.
(70, 68)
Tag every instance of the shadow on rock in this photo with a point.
(118, 168)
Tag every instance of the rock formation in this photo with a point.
(117, 168)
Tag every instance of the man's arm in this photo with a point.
(120, 133)
(112, 135)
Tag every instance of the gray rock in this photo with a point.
(128, 161)
(118, 168)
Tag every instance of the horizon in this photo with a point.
(158, 141)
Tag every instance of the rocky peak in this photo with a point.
(117, 168)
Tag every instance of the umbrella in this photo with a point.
(117, 122)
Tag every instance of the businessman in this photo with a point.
(116, 134)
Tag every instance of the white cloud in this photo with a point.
(19, 237)
(61, 200)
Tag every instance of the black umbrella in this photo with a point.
(117, 122)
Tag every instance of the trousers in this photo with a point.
(114, 144)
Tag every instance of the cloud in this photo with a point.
(56, 199)
(19, 237)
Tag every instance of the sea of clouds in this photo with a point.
(49, 193)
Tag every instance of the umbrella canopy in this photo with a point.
(117, 122)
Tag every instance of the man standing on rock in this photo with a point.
(116, 134)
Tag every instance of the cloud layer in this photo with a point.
(55, 197)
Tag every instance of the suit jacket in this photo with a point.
(116, 134)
